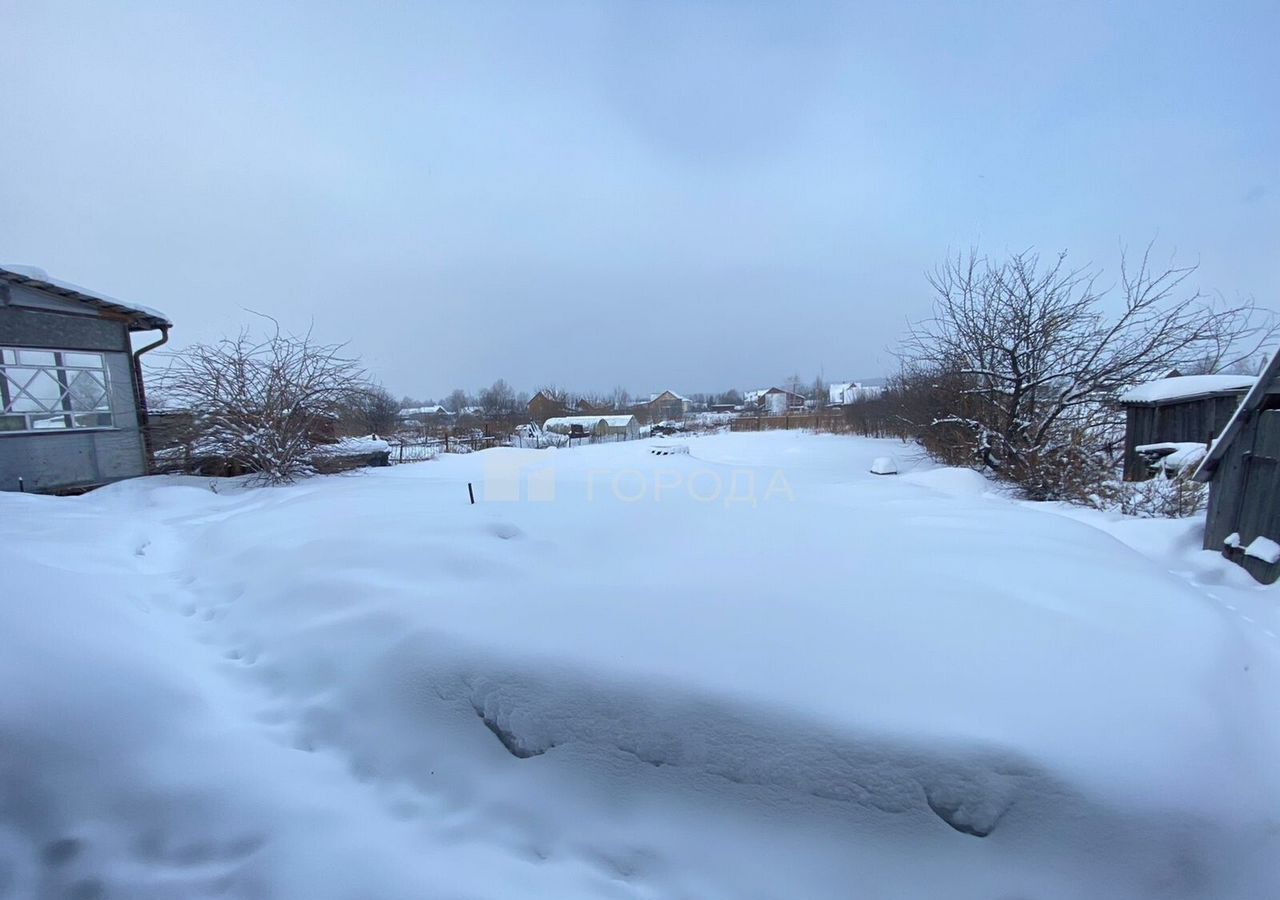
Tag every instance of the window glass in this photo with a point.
(46, 422)
(36, 357)
(82, 360)
(44, 390)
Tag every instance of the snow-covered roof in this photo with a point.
(436, 410)
(144, 318)
(676, 396)
(1186, 387)
(749, 396)
(352, 446)
(589, 421)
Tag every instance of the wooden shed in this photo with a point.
(1184, 409)
(72, 404)
(1243, 471)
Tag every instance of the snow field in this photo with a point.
(364, 686)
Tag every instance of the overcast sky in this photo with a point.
(695, 195)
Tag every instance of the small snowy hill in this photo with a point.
(755, 670)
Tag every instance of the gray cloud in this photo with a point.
(695, 195)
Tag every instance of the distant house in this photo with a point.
(623, 427)
(838, 392)
(844, 393)
(1243, 471)
(423, 413)
(666, 405)
(1166, 417)
(72, 403)
(774, 401)
(585, 407)
(543, 406)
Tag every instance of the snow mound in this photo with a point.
(953, 481)
(884, 465)
(1265, 549)
(1173, 456)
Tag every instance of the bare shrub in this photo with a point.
(1018, 369)
(262, 405)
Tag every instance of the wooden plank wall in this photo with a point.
(1196, 420)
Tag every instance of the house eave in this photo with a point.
(136, 318)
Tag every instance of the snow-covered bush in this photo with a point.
(1018, 369)
(1174, 497)
(261, 405)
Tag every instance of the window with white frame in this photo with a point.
(52, 390)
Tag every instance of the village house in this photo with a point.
(845, 393)
(72, 403)
(1243, 471)
(774, 401)
(666, 406)
(417, 415)
(1170, 421)
(543, 406)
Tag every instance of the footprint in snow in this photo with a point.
(244, 657)
(504, 530)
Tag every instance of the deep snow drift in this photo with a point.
(614, 676)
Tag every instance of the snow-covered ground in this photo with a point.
(754, 670)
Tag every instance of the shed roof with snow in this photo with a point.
(1182, 388)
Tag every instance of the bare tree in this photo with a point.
(556, 393)
(1024, 360)
(457, 400)
(619, 398)
(499, 399)
(370, 410)
(821, 393)
(261, 404)
(794, 384)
